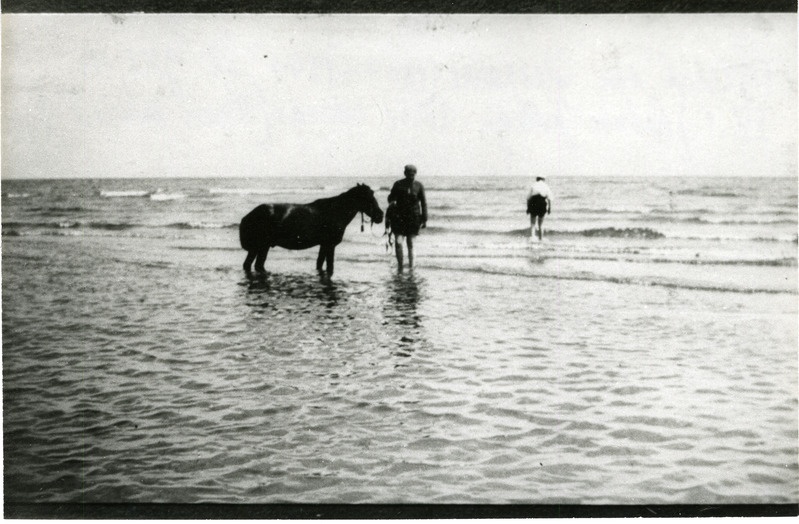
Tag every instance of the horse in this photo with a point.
(300, 226)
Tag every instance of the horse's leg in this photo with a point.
(320, 259)
(248, 260)
(260, 260)
(331, 252)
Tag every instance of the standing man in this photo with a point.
(407, 209)
(538, 205)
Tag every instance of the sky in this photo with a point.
(134, 95)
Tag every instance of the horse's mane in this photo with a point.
(351, 192)
(359, 188)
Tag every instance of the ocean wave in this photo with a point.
(116, 226)
(481, 232)
(478, 215)
(523, 253)
(209, 248)
(157, 195)
(59, 233)
(765, 262)
(71, 224)
(696, 261)
(201, 225)
(333, 190)
(656, 218)
(672, 283)
(166, 196)
(709, 193)
(722, 221)
(56, 211)
(641, 233)
(613, 232)
(469, 188)
(773, 221)
(788, 238)
(133, 193)
(787, 218)
(106, 226)
(16, 195)
(609, 232)
(759, 214)
(621, 210)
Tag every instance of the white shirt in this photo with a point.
(540, 188)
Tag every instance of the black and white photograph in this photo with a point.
(439, 259)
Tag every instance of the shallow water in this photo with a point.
(142, 365)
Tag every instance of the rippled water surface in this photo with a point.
(141, 364)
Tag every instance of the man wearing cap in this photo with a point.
(538, 205)
(407, 211)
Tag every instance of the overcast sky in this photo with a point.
(262, 95)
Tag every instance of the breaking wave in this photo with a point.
(613, 232)
(322, 191)
(201, 225)
(57, 211)
(125, 194)
(609, 232)
(673, 283)
(141, 193)
(114, 226)
(166, 196)
(709, 193)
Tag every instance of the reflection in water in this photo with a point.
(404, 291)
(403, 294)
(276, 291)
(293, 313)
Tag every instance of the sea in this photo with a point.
(645, 352)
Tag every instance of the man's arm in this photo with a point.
(423, 201)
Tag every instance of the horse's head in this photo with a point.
(365, 202)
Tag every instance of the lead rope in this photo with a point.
(389, 243)
(388, 231)
(361, 221)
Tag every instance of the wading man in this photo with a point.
(538, 205)
(407, 212)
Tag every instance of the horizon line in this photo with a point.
(207, 177)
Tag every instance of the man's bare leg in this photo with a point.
(398, 250)
(541, 227)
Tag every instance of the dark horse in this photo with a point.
(300, 226)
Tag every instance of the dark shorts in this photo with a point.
(537, 206)
(405, 224)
